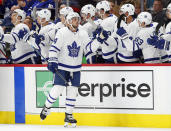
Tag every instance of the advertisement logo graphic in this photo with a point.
(43, 86)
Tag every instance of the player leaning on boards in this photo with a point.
(65, 55)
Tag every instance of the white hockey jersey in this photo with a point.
(109, 47)
(67, 49)
(20, 49)
(150, 53)
(167, 38)
(46, 43)
(125, 47)
(54, 28)
(90, 28)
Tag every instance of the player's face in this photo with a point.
(141, 24)
(83, 16)
(62, 18)
(14, 18)
(168, 14)
(40, 20)
(121, 12)
(28, 23)
(100, 13)
(75, 22)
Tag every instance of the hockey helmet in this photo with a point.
(20, 13)
(65, 11)
(103, 5)
(88, 9)
(145, 17)
(169, 7)
(44, 13)
(127, 8)
(72, 15)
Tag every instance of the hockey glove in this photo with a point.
(122, 33)
(160, 44)
(38, 38)
(103, 36)
(96, 32)
(153, 40)
(52, 66)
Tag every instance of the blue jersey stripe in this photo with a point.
(156, 58)
(164, 57)
(14, 38)
(55, 47)
(3, 59)
(52, 51)
(19, 84)
(151, 59)
(109, 53)
(21, 57)
(89, 53)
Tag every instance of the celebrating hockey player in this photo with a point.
(65, 57)
(50, 33)
(162, 42)
(132, 28)
(109, 48)
(21, 51)
(149, 52)
(42, 40)
(90, 25)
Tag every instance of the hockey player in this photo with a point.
(42, 40)
(65, 56)
(106, 29)
(163, 41)
(132, 28)
(90, 25)
(21, 51)
(149, 52)
(63, 14)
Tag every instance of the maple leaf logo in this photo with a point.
(22, 33)
(73, 49)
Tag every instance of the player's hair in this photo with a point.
(30, 20)
(161, 1)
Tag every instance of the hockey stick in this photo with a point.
(119, 20)
(57, 72)
(3, 54)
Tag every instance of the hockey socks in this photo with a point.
(53, 95)
(71, 98)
